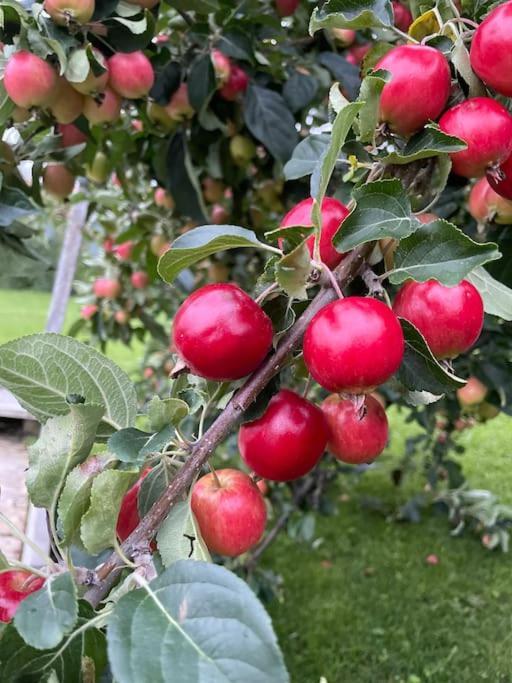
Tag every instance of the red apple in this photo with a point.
(106, 109)
(131, 74)
(123, 251)
(106, 288)
(87, 311)
(58, 180)
(64, 12)
(29, 80)
(15, 586)
(68, 103)
(139, 279)
(129, 518)
(472, 393)
(163, 198)
(71, 135)
(179, 107)
(121, 317)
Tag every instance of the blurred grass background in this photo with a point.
(364, 606)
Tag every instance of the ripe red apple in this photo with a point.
(58, 180)
(163, 199)
(64, 12)
(123, 251)
(219, 214)
(29, 80)
(333, 214)
(491, 49)
(356, 434)
(71, 135)
(357, 53)
(139, 279)
(285, 8)
(501, 181)
(418, 90)
(403, 16)
(121, 317)
(235, 85)
(486, 205)
(472, 393)
(87, 311)
(287, 441)
(179, 107)
(15, 586)
(131, 74)
(68, 103)
(487, 145)
(221, 65)
(230, 511)
(221, 333)
(344, 37)
(129, 518)
(106, 288)
(354, 344)
(450, 318)
(93, 85)
(106, 110)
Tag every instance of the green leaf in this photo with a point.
(497, 297)
(75, 497)
(200, 6)
(161, 413)
(344, 72)
(179, 537)
(4, 562)
(461, 62)
(98, 527)
(299, 90)
(19, 662)
(305, 156)
(356, 14)
(152, 487)
(293, 271)
(420, 370)
(371, 89)
(382, 210)
(14, 204)
(46, 616)
(42, 369)
(430, 142)
(292, 235)
(270, 121)
(126, 445)
(439, 250)
(181, 179)
(198, 621)
(201, 82)
(64, 442)
(78, 66)
(202, 242)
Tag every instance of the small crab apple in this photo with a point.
(491, 49)
(242, 150)
(472, 393)
(139, 279)
(179, 107)
(354, 344)
(94, 84)
(58, 180)
(333, 214)
(357, 433)
(131, 74)
(123, 251)
(287, 441)
(285, 8)
(64, 12)
(235, 85)
(487, 145)
(15, 586)
(402, 15)
(418, 90)
(229, 510)
(485, 204)
(121, 317)
(106, 288)
(221, 65)
(106, 109)
(220, 333)
(68, 103)
(163, 199)
(87, 311)
(344, 37)
(71, 135)
(129, 517)
(501, 181)
(450, 318)
(29, 80)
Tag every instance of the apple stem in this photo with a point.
(202, 449)
(215, 477)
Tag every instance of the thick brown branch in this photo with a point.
(223, 425)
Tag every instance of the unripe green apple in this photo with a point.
(64, 12)
(242, 149)
(99, 169)
(160, 117)
(58, 180)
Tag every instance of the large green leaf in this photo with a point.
(371, 89)
(201, 82)
(430, 142)
(198, 621)
(126, 445)
(21, 663)
(347, 74)
(293, 271)
(305, 156)
(49, 614)
(14, 204)
(382, 210)
(299, 90)
(179, 537)
(420, 370)
(43, 369)
(270, 121)
(202, 242)
(181, 179)
(75, 497)
(165, 412)
(98, 526)
(439, 250)
(64, 442)
(497, 297)
(352, 14)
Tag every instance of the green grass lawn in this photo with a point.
(365, 607)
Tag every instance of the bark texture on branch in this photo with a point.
(223, 425)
